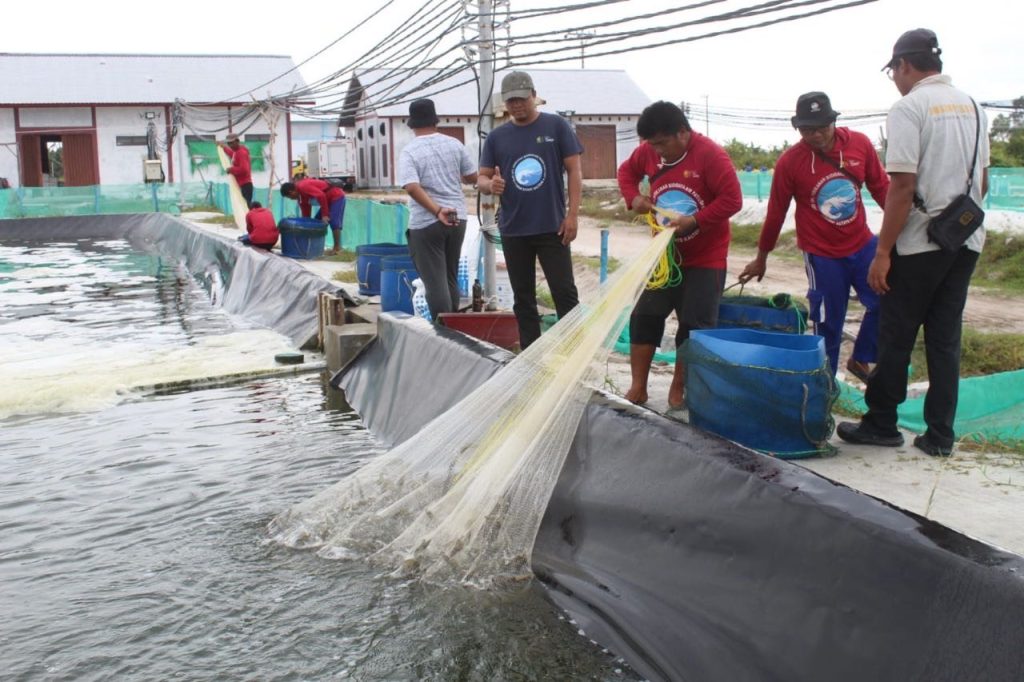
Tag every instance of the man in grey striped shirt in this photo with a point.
(431, 169)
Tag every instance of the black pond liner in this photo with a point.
(697, 559)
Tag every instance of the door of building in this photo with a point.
(598, 159)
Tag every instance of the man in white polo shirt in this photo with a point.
(936, 134)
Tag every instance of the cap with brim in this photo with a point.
(232, 137)
(516, 85)
(813, 109)
(422, 114)
(916, 41)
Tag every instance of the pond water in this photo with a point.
(132, 524)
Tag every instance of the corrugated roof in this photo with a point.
(587, 92)
(139, 78)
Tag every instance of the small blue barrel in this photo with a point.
(397, 273)
(368, 257)
(302, 238)
(771, 391)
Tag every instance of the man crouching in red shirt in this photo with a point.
(261, 228)
(693, 177)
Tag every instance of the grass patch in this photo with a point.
(544, 298)
(747, 235)
(346, 276)
(981, 354)
(220, 220)
(344, 256)
(1001, 264)
(605, 204)
(594, 262)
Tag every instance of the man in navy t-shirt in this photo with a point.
(523, 162)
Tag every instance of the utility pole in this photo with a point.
(485, 91)
(582, 36)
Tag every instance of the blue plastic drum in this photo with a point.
(302, 238)
(397, 273)
(368, 264)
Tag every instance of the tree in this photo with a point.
(1007, 137)
(745, 155)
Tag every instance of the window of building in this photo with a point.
(373, 163)
(383, 129)
(131, 140)
(384, 160)
(260, 137)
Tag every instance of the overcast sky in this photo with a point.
(840, 53)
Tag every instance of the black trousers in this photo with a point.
(521, 256)
(929, 290)
(246, 190)
(435, 252)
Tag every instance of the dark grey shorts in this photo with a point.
(695, 302)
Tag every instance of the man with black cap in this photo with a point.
(523, 161)
(431, 168)
(824, 173)
(937, 150)
(241, 165)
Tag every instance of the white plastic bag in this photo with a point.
(419, 300)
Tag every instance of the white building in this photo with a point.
(603, 106)
(110, 112)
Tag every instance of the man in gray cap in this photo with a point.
(523, 162)
(937, 150)
(431, 169)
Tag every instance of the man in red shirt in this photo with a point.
(824, 173)
(260, 227)
(330, 198)
(693, 177)
(241, 166)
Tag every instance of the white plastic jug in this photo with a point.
(419, 300)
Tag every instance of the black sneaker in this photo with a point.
(859, 434)
(928, 447)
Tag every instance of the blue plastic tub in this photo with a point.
(368, 264)
(770, 391)
(302, 238)
(397, 273)
(757, 313)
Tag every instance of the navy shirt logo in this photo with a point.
(528, 173)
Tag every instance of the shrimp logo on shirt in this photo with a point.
(676, 200)
(837, 200)
(528, 173)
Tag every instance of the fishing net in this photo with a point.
(464, 498)
(238, 206)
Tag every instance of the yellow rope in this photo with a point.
(667, 272)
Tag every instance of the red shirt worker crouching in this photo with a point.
(261, 228)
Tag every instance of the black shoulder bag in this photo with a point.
(958, 221)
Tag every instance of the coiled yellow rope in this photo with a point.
(668, 272)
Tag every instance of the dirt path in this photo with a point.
(986, 311)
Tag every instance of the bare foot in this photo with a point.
(637, 396)
(676, 399)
